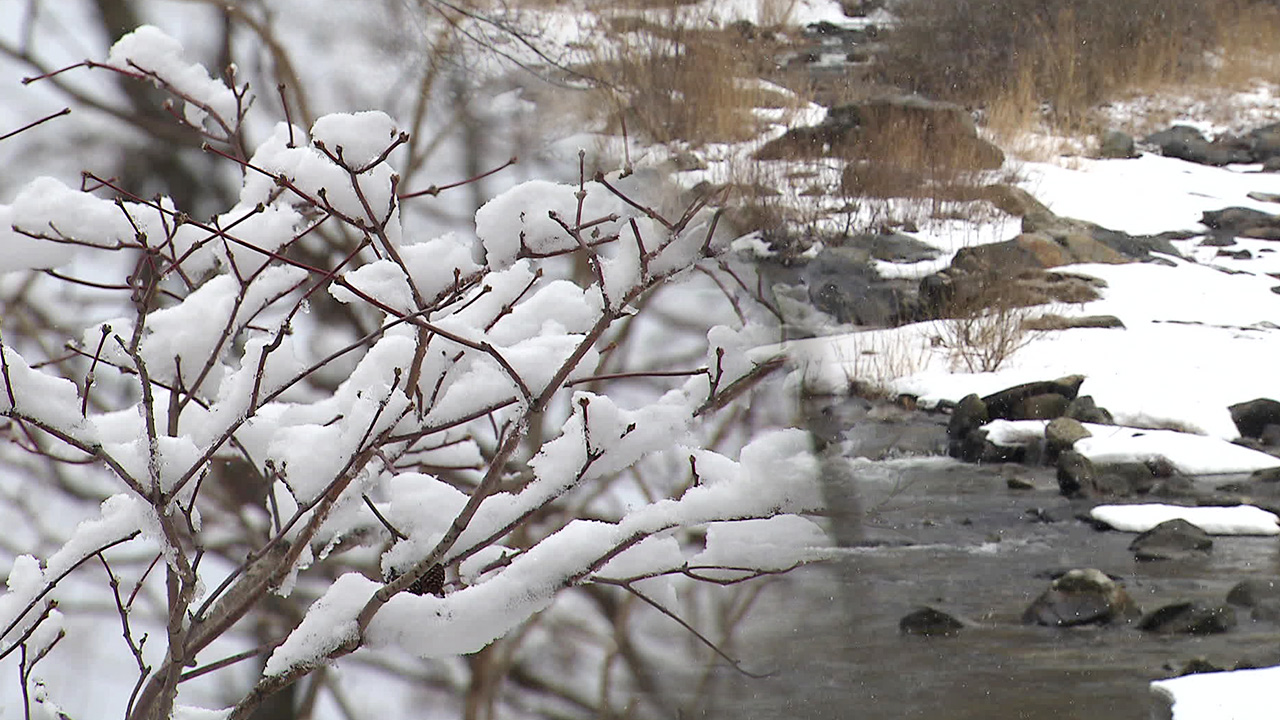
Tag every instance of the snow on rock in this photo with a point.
(329, 623)
(149, 49)
(1235, 695)
(1238, 520)
(1191, 454)
(361, 137)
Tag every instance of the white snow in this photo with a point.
(149, 49)
(1236, 695)
(1238, 520)
(1190, 454)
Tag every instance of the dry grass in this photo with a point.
(682, 79)
(1031, 61)
(871, 361)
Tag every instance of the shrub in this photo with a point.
(424, 486)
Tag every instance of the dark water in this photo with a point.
(956, 537)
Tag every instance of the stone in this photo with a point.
(842, 283)
(1117, 145)
(1061, 433)
(894, 247)
(1084, 409)
(1186, 143)
(1084, 248)
(1053, 321)
(1189, 618)
(1237, 220)
(1076, 474)
(1171, 540)
(1253, 592)
(1045, 406)
(929, 622)
(1268, 475)
(967, 416)
(1081, 597)
(1252, 417)
(861, 131)
(1008, 404)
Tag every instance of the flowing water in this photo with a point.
(954, 536)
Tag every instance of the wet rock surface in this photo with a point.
(1171, 540)
(929, 622)
(1081, 597)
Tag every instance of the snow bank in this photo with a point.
(1238, 520)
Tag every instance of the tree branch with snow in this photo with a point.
(420, 505)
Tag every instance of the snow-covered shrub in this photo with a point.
(400, 479)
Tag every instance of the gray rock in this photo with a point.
(1052, 321)
(1171, 540)
(969, 415)
(1084, 409)
(929, 622)
(1076, 474)
(1252, 592)
(1189, 618)
(1061, 433)
(842, 283)
(1010, 403)
(1045, 406)
(1081, 597)
(1186, 143)
(1252, 417)
(895, 247)
(1116, 144)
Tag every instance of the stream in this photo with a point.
(954, 536)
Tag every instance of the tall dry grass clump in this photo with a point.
(1025, 59)
(672, 76)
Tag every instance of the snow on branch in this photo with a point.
(302, 376)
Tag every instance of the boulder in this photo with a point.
(1076, 474)
(1229, 223)
(1264, 142)
(1187, 143)
(1189, 618)
(1081, 597)
(1053, 321)
(967, 416)
(1254, 592)
(1061, 433)
(1010, 403)
(1084, 409)
(842, 283)
(1252, 417)
(1171, 540)
(873, 129)
(1117, 145)
(1045, 406)
(894, 247)
(929, 622)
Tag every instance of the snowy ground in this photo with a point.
(1200, 334)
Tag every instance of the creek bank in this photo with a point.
(1180, 583)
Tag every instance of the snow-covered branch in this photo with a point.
(419, 504)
